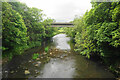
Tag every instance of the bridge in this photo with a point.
(62, 25)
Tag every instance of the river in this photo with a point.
(60, 62)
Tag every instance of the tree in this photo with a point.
(14, 29)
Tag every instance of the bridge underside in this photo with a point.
(62, 25)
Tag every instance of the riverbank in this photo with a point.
(61, 61)
(96, 59)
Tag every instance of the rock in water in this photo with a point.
(38, 62)
(27, 72)
(44, 53)
(12, 72)
(56, 50)
(36, 65)
(30, 61)
(6, 71)
(38, 59)
(50, 53)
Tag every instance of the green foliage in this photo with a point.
(49, 31)
(23, 28)
(46, 49)
(70, 31)
(61, 29)
(35, 56)
(14, 29)
(98, 32)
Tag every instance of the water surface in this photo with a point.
(60, 62)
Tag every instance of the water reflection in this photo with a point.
(60, 62)
(61, 41)
(58, 68)
(71, 66)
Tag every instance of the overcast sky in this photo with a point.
(60, 10)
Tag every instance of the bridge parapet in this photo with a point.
(62, 25)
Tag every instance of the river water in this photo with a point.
(60, 62)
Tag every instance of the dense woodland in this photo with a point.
(97, 32)
(23, 28)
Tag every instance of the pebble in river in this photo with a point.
(56, 50)
(38, 59)
(50, 53)
(6, 71)
(12, 72)
(30, 61)
(36, 65)
(44, 53)
(38, 62)
(37, 72)
(27, 72)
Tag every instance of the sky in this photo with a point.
(60, 10)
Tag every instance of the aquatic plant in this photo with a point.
(35, 56)
(46, 49)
